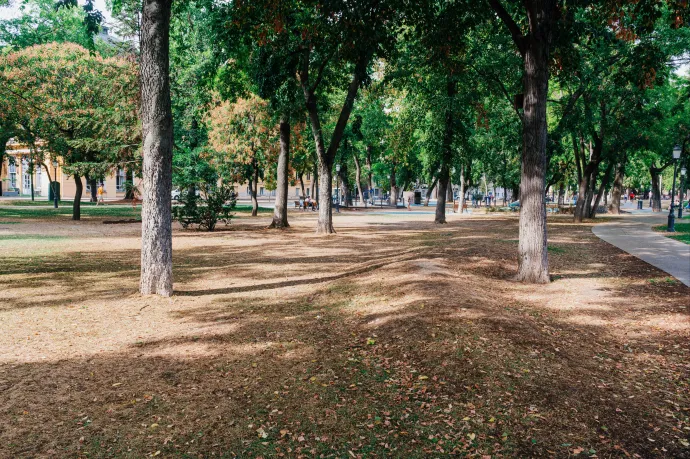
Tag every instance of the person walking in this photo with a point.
(100, 193)
(409, 203)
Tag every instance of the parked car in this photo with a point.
(176, 193)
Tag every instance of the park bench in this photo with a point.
(298, 204)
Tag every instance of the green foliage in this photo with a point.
(213, 205)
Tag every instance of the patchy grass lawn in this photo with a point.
(682, 233)
(394, 338)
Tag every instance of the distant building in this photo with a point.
(16, 176)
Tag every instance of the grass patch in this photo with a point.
(554, 249)
(42, 203)
(248, 208)
(91, 211)
(682, 233)
(30, 237)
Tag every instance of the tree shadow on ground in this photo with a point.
(425, 352)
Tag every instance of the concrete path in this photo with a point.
(633, 233)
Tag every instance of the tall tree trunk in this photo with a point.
(394, 187)
(157, 123)
(327, 156)
(129, 178)
(615, 207)
(324, 225)
(656, 188)
(533, 263)
(462, 188)
(370, 178)
(254, 180)
(602, 189)
(447, 154)
(280, 219)
(449, 190)
(590, 193)
(561, 194)
(583, 207)
(76, 206)
(344, 189)
(302, 187)
(429, 191)
(358, 179)
(94, 188)
(440, 216)
(315, 183)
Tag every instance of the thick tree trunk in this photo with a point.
(449, 191)
(358, 179)
(324, 225)
(280, 217)
(429, 191)
(76, 206)
(157, 123)
(533, 264)
(129, 178)
(440, 216)
(615, 207)
(561, 194)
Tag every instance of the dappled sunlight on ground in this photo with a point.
(395, 331)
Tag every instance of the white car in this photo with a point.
(176, 194)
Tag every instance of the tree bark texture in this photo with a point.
(157, 124)
(358, 179)
(617, 191)
(76, 206)
(447, 154)
(656, 188)
(280, 214)
(533, 264)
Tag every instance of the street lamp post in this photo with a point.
(670, 227)
(55, 191)
(337, 187)
(683, 173)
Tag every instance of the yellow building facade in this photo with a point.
(16, 176)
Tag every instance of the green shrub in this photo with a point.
(214, 205)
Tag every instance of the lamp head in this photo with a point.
(337, 167)
(55, 163)
(683, 171)
(676, 152)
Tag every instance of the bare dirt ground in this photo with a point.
(394, 338)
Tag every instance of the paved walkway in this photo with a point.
(633, 234)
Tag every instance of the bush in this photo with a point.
(214, 205)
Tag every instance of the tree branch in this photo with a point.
(512, 26)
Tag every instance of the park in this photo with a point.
(344, 229)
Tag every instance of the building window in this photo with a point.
(26, 178)
(13, 175)
(297, 192)
(261, 191)
(308, 191)
(120, 181)
(39, 179)
(308, 176)
(248, 192)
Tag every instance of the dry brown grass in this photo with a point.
(394, 338)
